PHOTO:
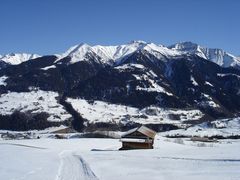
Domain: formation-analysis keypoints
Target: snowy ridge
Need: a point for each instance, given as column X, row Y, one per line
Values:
column 77, row 52
column 215, row 55
column 116, row 53
column 109, row 54
column 18, row 58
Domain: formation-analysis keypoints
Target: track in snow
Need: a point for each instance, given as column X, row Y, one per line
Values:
column 73, row 167
column 195, row 159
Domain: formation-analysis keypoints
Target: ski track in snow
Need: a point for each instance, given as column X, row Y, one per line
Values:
column 196, row 159
column 73, row 167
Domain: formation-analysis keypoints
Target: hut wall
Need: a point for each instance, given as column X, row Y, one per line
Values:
column 136, row 145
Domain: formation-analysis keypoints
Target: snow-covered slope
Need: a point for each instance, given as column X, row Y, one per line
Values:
column 33, row 102
column 215, row 55
column 15, row 59
column 77, row 52
column 100, row 111
column 220, row 127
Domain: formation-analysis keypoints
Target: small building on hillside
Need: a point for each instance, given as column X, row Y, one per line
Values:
column 138, row 138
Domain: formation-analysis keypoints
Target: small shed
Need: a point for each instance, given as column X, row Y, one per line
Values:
column 138, row 138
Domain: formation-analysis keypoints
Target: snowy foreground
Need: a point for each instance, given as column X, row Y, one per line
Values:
column 72, row 159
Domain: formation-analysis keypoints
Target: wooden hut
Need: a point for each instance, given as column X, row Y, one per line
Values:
column 138, row 138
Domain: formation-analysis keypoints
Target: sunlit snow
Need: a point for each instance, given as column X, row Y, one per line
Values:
column 99, row 111
column 34, row 102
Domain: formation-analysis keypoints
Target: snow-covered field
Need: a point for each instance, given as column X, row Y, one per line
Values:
column 223, row 127
column 72, row 159
column 34, row 102
column 99, row 111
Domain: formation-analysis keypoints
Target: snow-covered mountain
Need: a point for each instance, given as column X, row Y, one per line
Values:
column 118, row 86
column 114, row 54
column 218, row 56
column 18, row 58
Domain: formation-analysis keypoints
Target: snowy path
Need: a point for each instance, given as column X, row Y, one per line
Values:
column 73, row 167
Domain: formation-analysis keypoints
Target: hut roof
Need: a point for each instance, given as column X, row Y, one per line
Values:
column 144, row 130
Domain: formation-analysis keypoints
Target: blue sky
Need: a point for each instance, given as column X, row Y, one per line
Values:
column 52, row 26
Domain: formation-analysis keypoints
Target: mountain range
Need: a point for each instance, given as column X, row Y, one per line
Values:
column 109, row 54
column 114, row 87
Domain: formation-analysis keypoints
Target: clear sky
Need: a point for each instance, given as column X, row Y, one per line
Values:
column 52, row 26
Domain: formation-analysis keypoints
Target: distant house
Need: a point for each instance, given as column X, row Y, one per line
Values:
column 138, row 138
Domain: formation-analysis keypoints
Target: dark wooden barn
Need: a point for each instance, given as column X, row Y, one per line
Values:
column 138, row 138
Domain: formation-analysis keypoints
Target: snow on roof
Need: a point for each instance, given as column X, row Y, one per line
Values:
column 129, row 132
column 147, row 131
column 144, row 130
